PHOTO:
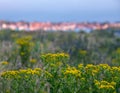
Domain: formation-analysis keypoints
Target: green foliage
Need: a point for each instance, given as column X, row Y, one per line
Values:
column 99, row 45
column 52, row 63
column 91, row 78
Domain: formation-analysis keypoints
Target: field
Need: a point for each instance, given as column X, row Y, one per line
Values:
column 59, row 62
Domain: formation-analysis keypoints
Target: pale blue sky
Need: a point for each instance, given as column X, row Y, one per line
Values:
column 60, row 10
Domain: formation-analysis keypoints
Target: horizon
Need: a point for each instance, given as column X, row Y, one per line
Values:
column 60, row 10
column 59, row 21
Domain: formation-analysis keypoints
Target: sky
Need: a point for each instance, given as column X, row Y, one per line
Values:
column 60, row 10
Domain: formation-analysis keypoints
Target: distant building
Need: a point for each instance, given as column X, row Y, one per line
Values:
column 63, row 26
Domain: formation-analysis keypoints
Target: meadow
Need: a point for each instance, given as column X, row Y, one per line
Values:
column 59, row 62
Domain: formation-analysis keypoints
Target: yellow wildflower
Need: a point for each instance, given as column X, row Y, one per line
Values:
column 83, row 52
column 33, row 60
column 72, row 71
column 5, row 63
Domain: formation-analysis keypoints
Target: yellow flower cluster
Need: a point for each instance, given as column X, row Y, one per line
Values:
column 24, row 40
column 105, row 85
column 48, row 75
column 22, row 73
column 104, row 66
column 80, row 66
column 90, row 66
column 83, row 52
column 22, row 53
column 57, row 57
column 72, row 71
column 25, row 46
column 33, row 60
column 115, row 69
column 100, row 78
column 4, row 63
column 101, row 71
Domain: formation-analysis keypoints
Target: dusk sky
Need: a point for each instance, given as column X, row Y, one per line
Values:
column 60, row 10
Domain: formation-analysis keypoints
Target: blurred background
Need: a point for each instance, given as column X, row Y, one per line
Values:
column 88, row 30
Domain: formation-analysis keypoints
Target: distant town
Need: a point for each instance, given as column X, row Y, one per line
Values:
column 61, row 26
